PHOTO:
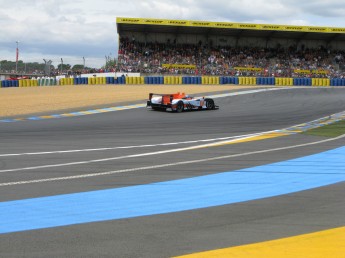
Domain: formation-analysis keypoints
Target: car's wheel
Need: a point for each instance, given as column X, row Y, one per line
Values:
column 209, row 104
column 179, row 106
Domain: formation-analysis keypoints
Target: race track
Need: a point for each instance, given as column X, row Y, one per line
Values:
column 143, row 183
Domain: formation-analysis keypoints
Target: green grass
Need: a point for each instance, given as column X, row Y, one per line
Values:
column 332, row 130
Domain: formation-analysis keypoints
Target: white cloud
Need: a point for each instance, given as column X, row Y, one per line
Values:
column 72, row 29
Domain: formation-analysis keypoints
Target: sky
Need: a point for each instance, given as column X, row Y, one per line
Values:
column 71, row 30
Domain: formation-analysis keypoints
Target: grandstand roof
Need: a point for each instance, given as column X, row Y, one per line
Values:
column 229, row 29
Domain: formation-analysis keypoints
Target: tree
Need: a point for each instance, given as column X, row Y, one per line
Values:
column 65, row 67
column 77, row 67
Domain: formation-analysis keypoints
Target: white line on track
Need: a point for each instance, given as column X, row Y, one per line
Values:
column 154, row 145
column 127, row 147
column 166, row 165
column 128, row 156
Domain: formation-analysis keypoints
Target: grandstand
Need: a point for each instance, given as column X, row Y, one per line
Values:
column 160, row 46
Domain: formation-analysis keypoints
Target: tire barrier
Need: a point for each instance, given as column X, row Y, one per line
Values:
column 135, row 80
column 156, row 79
column 191, row 80
column 170, row 80
column 265, row 81
column 9, row 83
column 284, row 81
column 302, row 82
column 247, row 80
column 337, row 82
column 81, row 81
column 66, row 81
column 175, row 80
column 320, row 82
column 210, row 80
column 46, row 82
column 228, row 80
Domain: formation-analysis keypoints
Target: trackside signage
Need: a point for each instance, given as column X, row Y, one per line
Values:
column 230, row 25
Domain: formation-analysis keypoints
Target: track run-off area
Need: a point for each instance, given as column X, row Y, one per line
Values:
column 126, row 181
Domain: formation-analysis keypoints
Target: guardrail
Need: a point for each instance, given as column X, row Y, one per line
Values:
column 175, row 80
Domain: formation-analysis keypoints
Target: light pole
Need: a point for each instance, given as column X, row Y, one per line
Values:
column 83, row 63
column 61, row 65
column 17, row 56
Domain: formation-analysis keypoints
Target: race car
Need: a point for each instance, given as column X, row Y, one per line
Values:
column 179, row 102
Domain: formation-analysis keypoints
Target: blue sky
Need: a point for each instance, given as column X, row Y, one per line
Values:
column 55, row 29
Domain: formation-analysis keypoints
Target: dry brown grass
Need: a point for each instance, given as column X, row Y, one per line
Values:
column 24, row 101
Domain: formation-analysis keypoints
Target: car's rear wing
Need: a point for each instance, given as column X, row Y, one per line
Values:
column 167, row 98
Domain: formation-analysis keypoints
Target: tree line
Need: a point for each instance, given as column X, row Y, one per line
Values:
column 31, row 67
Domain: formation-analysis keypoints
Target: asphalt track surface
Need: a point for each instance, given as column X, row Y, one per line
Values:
column 172, row 233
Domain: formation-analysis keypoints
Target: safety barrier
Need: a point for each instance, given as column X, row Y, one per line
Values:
column 302, row 82
column 284, row 81
column 66, row 81
column 228, row 80
column 337, row 82
column 9, row 83
column 46, row 82
column 155, row 79
column 247, row 80
column 176, row 80
column 320, row 82
column 210, row 80
column 173, row 80
column 191, row 80
column 265, row 81
column 135, row 80
column 81, row 81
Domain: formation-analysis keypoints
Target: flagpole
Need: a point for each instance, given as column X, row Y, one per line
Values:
column 17, row 56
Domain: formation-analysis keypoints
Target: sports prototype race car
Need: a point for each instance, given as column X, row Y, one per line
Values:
column 179, row 102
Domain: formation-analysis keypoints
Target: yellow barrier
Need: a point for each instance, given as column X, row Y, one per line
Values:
column 180, row 80
column 247, row 82
column 209, row 80
column 34, row 83
column 172, row 80
column 320, row 82
column 278, row 81
column 326, row 82
column 284, row 81
column 142, row 80
column 313, row 82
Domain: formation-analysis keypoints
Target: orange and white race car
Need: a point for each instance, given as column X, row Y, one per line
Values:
column 179, row 102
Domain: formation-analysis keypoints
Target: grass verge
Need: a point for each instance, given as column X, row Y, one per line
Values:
column 332, row 130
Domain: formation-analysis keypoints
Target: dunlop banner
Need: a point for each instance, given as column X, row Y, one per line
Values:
column 311, row 71
column 179, row 66
column 248, row 69
column 229, row 25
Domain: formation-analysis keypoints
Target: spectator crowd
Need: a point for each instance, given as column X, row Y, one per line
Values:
column 150, row 58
